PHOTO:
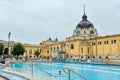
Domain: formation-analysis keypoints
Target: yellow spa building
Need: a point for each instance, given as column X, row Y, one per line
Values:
column 84, row 44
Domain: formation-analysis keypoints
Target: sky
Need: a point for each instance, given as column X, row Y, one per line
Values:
column 32, row 21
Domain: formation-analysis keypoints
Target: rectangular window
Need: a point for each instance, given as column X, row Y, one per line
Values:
column 81, row 50
column 99, row 43
column 40, row 50
column 113, row 41
column 51, row 50
column 47, row 51
column 30, row 51
column 88, row 50
column 106, row 42
column 93, row 43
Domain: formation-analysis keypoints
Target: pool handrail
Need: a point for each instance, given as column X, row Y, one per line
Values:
column 32, row 74
column 32, row 64
column 43, row 70
column 65, row 67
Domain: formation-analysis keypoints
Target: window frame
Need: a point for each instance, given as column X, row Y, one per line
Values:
column 72, row 46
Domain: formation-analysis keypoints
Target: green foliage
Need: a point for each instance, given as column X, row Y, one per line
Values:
column 18, row 49
column 37, row 53
column 26, row 57
column 41, row 43
column 1, row 48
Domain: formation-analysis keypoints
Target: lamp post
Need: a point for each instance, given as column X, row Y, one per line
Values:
column 9, row 34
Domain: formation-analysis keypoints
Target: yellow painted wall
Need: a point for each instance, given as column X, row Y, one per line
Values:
column 107, row 49
column 32, row 48
column 99, row 50
column 45, row 51
column 88, row 48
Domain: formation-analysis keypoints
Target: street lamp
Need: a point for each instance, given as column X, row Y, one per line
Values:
column 9, row 34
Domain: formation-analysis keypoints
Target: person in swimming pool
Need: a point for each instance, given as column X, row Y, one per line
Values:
column 59, row 72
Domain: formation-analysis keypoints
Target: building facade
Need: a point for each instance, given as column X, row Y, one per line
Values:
column 84, row 44
column 9, row 45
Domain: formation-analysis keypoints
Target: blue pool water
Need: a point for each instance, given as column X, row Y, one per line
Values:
column 90, row 71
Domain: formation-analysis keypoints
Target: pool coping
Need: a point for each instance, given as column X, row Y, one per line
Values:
column 97, row 63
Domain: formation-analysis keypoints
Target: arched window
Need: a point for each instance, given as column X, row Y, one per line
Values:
column 81, row 56
column 91, row 32
column 106, row 57
column 77, row 33
column 40, row 50
column 93, row 56
column 54, row 50
column 51, row 50
column 88, row 57
column 57, row 48
column 72, row 46
column 79, row 25
column 84, row 32
column 30, row 51
column 47, row 51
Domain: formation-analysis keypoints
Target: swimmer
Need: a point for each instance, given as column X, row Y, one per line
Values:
column 59, row 72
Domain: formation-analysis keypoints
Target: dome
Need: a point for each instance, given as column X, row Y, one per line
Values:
column 56, row 40
column 84, row 29
column 49, row 39
column 84, row 23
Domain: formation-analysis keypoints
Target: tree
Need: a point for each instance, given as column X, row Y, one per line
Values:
column 18, row 49
column 1, row 48
column 37, row 53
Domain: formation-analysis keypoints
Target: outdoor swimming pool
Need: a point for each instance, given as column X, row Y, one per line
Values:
column 89, row 71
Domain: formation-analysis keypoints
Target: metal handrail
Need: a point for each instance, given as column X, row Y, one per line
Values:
column 73, row 72
column 41, row 69
column 32, row 65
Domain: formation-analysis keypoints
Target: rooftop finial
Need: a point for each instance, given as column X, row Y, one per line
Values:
column 84, row 9
column 84, row 17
